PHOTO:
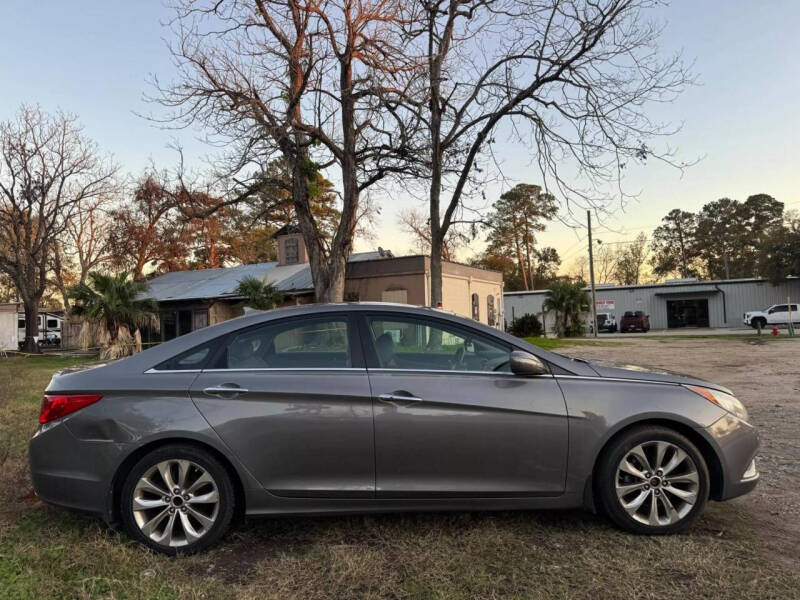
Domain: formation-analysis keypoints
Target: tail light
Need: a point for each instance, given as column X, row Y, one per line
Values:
column 55, row 406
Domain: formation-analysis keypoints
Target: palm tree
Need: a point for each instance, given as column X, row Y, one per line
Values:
column 113, row 312
column 567, row 300
column 259, row 294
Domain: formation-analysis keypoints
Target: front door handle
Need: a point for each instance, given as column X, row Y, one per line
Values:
column 225, row 390
column 391, row 398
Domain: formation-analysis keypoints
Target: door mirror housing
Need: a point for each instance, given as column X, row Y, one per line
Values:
column 526, row 364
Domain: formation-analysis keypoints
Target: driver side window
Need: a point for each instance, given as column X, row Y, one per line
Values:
column 420, row 344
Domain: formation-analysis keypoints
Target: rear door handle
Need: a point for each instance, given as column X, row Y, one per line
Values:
column 398, row 398
column 227, row 390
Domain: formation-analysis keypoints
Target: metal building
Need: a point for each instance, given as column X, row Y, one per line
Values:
column 676, row 303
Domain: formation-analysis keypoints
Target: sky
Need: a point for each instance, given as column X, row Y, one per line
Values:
column 94, row 58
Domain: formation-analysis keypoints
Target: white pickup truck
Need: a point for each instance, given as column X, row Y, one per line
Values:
column 775, row 315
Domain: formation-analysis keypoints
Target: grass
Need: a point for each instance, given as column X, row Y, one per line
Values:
column 47, row 552
column 556, row 343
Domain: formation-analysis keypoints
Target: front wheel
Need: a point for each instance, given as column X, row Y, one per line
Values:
column 652, row 480
column 177, row 498
column 758, row 323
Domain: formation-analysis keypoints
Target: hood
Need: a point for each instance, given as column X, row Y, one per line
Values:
column 626, row 371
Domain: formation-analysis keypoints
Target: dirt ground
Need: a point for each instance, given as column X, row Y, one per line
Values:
column 766, row 378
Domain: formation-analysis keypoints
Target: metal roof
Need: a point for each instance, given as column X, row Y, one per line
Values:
column 218, row 283
column 684, row 291
column 641, row 286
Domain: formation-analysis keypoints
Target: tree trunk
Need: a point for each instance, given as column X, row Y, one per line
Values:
column 435, row 57
column 436, row 270
column 58, row 273
column 31, row 326
column 522, row 270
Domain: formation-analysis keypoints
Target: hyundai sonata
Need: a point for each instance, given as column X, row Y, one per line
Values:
column 356, row 408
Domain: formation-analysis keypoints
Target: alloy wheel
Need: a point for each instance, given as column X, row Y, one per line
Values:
column 657, row 483
column 175, row 502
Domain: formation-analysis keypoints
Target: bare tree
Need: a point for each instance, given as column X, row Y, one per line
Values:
column 630, row 260
column 48, row 168
column 415, row 223
column 312, row 83
column 567, row 79
column 84, row 245
column 605, row 263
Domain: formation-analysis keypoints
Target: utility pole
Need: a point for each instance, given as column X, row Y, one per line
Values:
column 591, row 273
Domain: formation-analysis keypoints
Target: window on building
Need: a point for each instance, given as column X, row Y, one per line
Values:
column 490, row 318
column 291, row 249
column 307, row 344
column 476, row 307
column 21, row 323
column 184, row 322
column 169, row 326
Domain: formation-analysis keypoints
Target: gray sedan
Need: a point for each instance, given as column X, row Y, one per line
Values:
column 355, row 408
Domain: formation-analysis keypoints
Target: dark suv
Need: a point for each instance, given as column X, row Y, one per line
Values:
column 633, row 320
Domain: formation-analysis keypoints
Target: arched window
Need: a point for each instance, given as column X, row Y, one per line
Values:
column 476, row 308
column 490, row 310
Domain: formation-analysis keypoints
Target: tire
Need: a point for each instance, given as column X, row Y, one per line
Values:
column 754, row 323
column 686, row 494
column 204, row 501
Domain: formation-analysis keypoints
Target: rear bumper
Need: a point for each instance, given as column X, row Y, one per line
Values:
column 69, row 472
column 737, row 444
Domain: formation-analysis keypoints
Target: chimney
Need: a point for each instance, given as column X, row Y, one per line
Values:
column 291, row 248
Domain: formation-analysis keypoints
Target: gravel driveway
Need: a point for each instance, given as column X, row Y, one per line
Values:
column 766, row 377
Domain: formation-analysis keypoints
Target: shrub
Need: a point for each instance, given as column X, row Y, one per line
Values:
column 526, row 326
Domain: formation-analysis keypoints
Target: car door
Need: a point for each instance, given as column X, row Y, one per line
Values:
column 291, row 398
column 778, row 314
column 451, row 420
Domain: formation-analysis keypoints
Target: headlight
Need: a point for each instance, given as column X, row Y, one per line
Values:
column 721, row 399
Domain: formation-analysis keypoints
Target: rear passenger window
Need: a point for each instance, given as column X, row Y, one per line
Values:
column 190, row 360
column 300, row 344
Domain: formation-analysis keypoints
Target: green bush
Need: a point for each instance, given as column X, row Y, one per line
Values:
column 526, row 326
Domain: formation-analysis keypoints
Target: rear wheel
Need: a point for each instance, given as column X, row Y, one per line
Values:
column 652, row 480
column 177, row 499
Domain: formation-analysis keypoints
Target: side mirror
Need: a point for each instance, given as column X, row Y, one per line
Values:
column 526, row 364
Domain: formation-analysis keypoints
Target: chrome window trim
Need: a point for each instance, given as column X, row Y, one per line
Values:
column 495, row 373
column 283, row 369
column 153, row 370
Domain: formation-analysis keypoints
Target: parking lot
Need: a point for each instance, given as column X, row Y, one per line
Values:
column 746, row 548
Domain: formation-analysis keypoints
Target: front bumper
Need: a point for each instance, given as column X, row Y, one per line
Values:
column 737, row 443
